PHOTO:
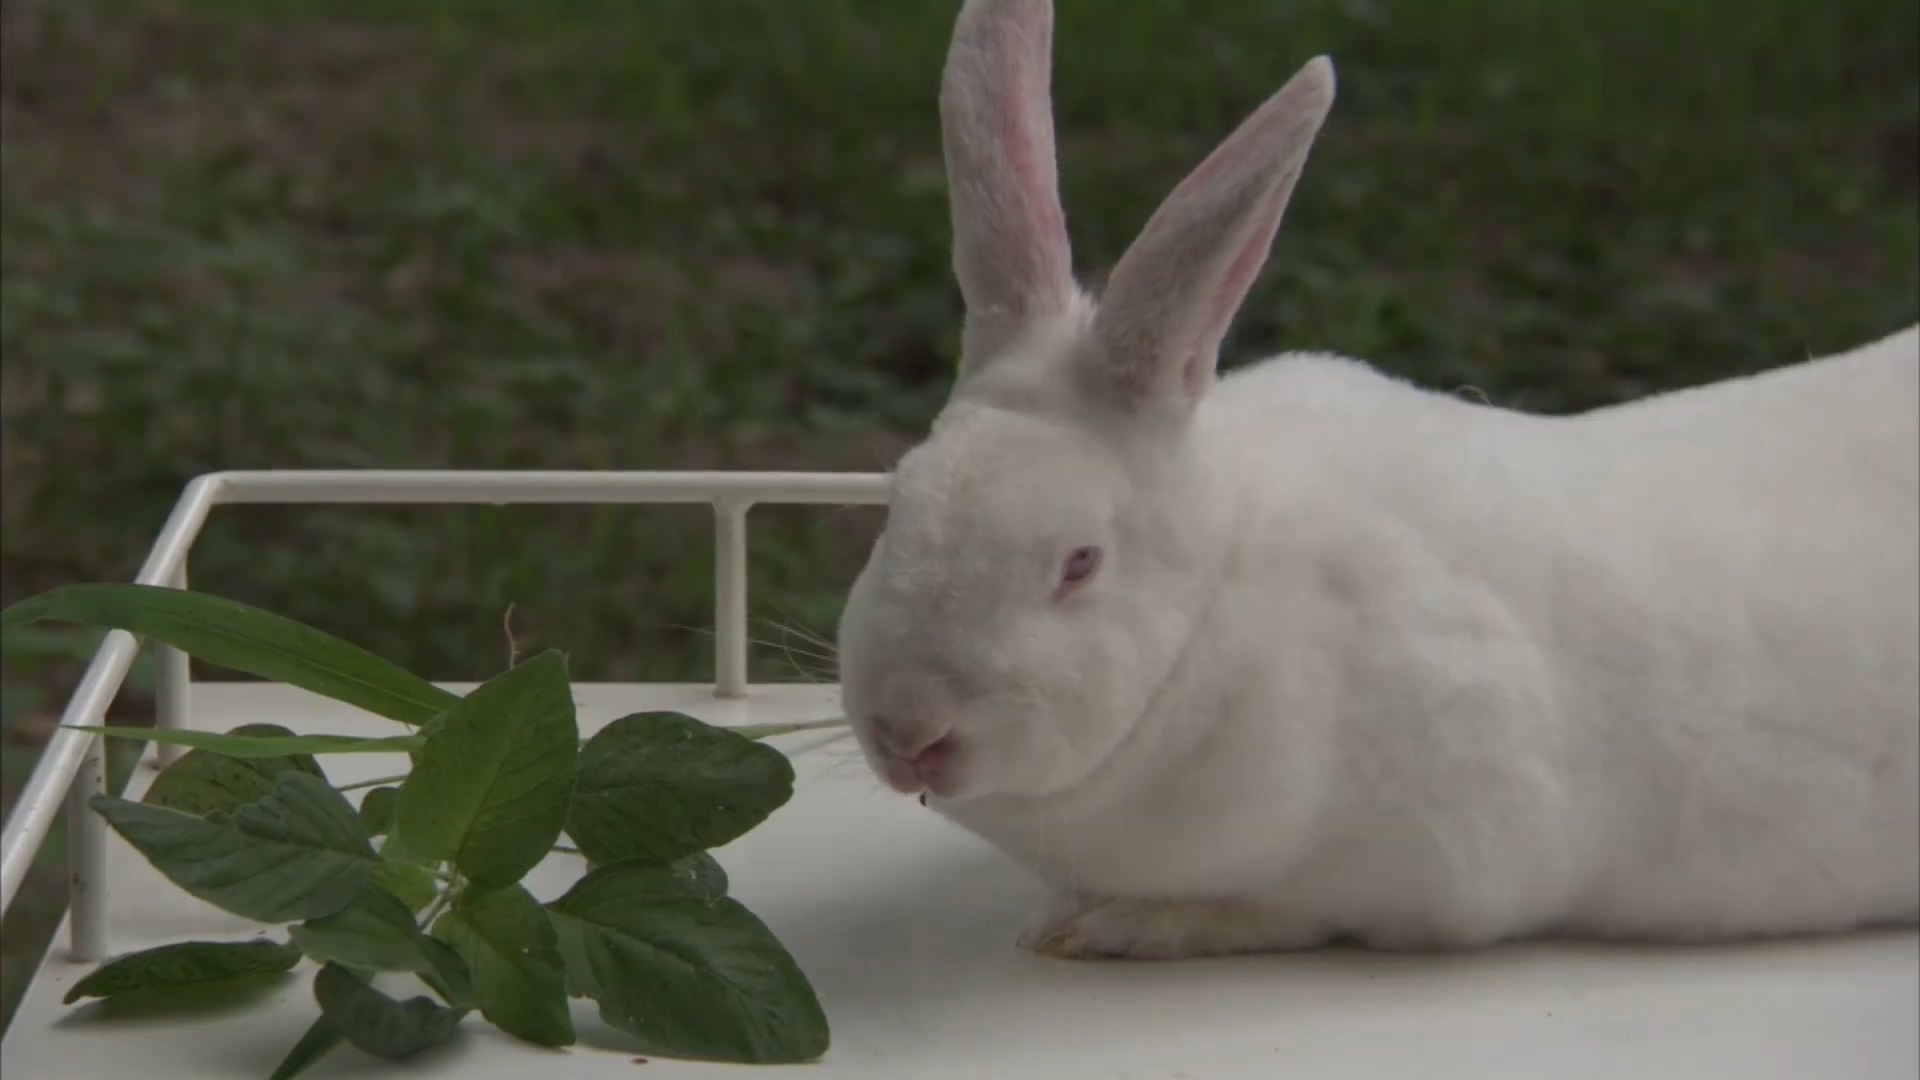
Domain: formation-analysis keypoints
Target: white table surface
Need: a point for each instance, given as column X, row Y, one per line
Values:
column 906, row 925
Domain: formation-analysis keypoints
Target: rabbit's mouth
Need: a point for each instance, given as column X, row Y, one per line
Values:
column 930, row 769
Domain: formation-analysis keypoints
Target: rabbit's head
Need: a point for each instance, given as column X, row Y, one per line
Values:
column 1051, row 543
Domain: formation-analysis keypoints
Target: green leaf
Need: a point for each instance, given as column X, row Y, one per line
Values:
column 377, row 808
column 185, row 963
column 688, row 974
column 202, row 783
column 234, row 635
column 377, row 1023
column 317, row 1043
column 415, row 886
column 447, row 973
column 703, row 872
column 297, row 854
column 405, row 874
column 244, row 747
column 375, row 932
column 660, row 786
column 394, row 848
column 511, row 950
column 491, row 787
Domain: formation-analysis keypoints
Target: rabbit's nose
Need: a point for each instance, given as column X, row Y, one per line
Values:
column 902, row 738
column 918, row 762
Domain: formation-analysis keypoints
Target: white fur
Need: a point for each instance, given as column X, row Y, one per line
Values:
column 1366, row 660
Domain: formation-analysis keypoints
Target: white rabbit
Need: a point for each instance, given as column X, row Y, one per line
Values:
column 1312, row 653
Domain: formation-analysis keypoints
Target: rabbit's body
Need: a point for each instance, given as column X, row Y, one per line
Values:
column 1312, row 652
column 1473, row 674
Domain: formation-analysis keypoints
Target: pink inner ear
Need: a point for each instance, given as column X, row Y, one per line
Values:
column 1224, row 299
column 1011, row 253
column 1171, row 297
column 1208, row 166
column 1038, row 215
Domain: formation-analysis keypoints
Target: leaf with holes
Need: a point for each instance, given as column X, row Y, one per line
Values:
column 688, row 974
column 297, row 854
column 662, row 786
column 243, row 638
column 202, row 782
column 513, row 955
column 187, row 963
column 491, row 786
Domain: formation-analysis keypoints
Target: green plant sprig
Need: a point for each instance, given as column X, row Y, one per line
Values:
column 423, row 877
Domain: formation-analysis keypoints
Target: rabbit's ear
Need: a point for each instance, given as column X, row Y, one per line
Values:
column 1171, row 297
column 1010, row 250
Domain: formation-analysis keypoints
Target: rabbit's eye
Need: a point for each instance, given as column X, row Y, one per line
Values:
column 1079, row 566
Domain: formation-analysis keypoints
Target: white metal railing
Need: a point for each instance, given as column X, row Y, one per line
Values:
column 74, row 766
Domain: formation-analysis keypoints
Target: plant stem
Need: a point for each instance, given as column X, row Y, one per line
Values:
column 768, row 731
column 434, row 909
column 440, row 902
column 375, row 782
column 565, row 850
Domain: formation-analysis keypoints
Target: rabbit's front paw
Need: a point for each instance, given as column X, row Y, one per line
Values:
column 1051, row 919
column 1168, row 930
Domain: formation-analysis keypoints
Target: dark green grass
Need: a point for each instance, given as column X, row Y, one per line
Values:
column 712, row 233
column 603, row 234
